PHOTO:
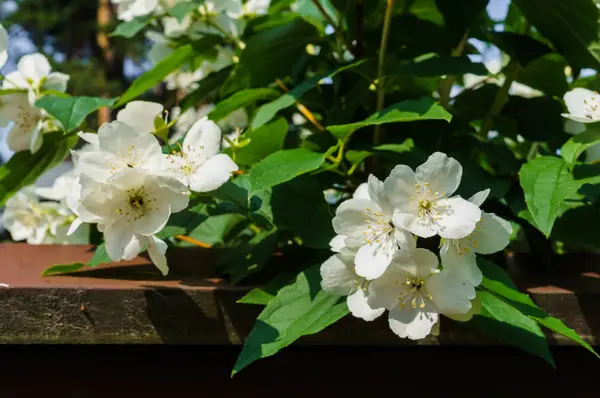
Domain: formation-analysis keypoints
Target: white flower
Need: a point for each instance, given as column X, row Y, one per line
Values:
column 415, row 292
column 236, row 120
column 256, row 7
column 129, row 9
column 186, row 119
column 339, row 278
column 366, row 220
column 421, row 199
column 583, row 105
column 26, row 130
column 3, row 46
column 199, row 163
column 130, row 208
column 490, row 236
column 61, row 188
column 173, row 28
column 35, row 74
column 184, row 80
column 141, row 115
column 120, row 147
column 25, row 218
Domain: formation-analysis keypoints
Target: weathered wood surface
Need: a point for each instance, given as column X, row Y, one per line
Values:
column 131, row 303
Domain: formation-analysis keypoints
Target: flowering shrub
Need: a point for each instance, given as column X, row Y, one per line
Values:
column 302, row 128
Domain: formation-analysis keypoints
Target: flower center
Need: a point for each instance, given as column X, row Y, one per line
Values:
column 428, row 203
column 25, row 120
column 414, row 292
column 139, row 204
column 378, row 226
column 592, row 106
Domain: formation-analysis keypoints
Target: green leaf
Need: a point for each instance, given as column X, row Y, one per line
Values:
column 433, row 65
column 62, row 269
column 406, row 146
column 183, row 8
column 24, row 168
column 282, row 166
column 505, row 323
column 268, row 111
column 525, row 48
column 264, row 294
column 132, row 28
column 497, row 281
column 299, row 309
column 270, row 54
column 156, row 75
column 546, row 74
column 405, row 111
column 216, row 228
column 100, row 256
column 205, row 87
column 184, row 222
column 573, row 148
column 72, row 111
column 241, row 99
column 546, row 182
column 572, row 26
column 264, row 141
column 299, row 205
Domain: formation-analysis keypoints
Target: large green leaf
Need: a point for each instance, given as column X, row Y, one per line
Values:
column 241, row 99
column 405, row 111
column 497, row 282
column 525, row 48
column 24, row 168
column 205, row 87
column 264, row 141
column 268, row 111
column 270, row 54
column 216, row 228
column 282, row 166
column 572, row 26
column 183, row 8
column 156, row 75
column 433, row 65
column 132, row 28
column 299, row 309
column 264, row 294
column 546, row 182
column 100, row 256
column 547, row 74
column 62, row 269
column 299, row 205
column 72, row 111
column 505, row 323
column 573, row 148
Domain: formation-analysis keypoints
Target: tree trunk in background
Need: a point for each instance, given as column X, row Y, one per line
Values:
column 103, row 18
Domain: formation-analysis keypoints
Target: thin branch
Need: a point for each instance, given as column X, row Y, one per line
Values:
column 378, row 136
column 337, row 27
column 193, row 241
column 301, row 108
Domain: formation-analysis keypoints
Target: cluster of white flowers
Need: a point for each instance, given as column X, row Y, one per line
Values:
column 584, row 108
column 17, row 111
column 378, row 265
column 127, row 186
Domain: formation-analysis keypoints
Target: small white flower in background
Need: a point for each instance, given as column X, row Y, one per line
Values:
column 26, row 130
column 173, row 28
column 3, row 46
column 366, row 220
column 184, row 80
column 186, row 119
column 199, row 164
column 421, row 202
column 120, row 147
column 415, row 292
column 339, row 278
column 130, row 208
column 141, row 115
column 298, row 119
column 25, row 218
column 583, row 105
column 490, row 236
column 61, row 188
column 256, row 7
column 236, row 120
column 34, row 74
column 129, row 9
column 223, row 59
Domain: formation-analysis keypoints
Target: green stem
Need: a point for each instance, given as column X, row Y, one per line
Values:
column 378, row 136
column 337, row 27
column 446, row 84
column 511, row 72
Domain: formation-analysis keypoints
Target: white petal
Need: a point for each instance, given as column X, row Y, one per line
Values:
column 133, row 248
column 464, row 265
column 383, row 292
column 580, row 119
column 412, row 223
column 574, row 100
column 174, row 192
column 449, row 293
column 74, row 226
column 140, row 115
column 56, row 81
column 36, row 139
column 373, row 259
column 212, row 173
column 377, row 195
column 421, row 264
column 3, row 46
column 157, row 250
column 479, row 197
column 202, row 141
column 18, row 139
column 362, row 192
column 34, row 67
column 359, row 307
column 337, row 243
column 338, row 276
column 411, row 322
column 491, row 234
column 475, row 309
column 353, row 216
column 399, row 187
column 459, row 218
column 90, row 138
column 406, row 240
column 116, row 238
column 441, row 172
column 98, row 165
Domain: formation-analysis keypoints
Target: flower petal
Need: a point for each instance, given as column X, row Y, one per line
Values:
column 399, row 187
column 338, row 276
column 479, row 197
column 441, row 172
column 116, row 238
column 3, row 46
column 449, row 293
column 412, row 223
column 491, row 234
column 140, row 115
column 157, row 250
column 337, row 243
column 411, row 322
column 56, row 81
column 213, row 173
column 34, row 67
column 202, row 141
column 352, row 218
column 574, row 100
column 359, row 306
column 458, row 219
column 464, row 265
column 377, row 195
column 373, row 259
column 362, row 192
column 421, row 264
